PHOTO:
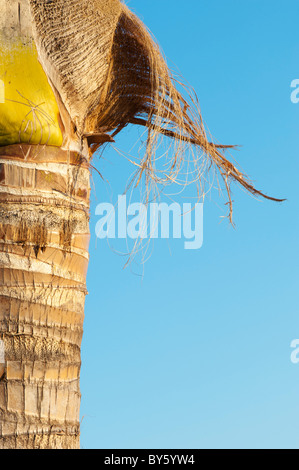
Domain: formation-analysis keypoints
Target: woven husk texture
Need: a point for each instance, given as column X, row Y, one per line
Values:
column 74, row 39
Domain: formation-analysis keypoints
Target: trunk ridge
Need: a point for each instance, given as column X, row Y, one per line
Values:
column 44, row 236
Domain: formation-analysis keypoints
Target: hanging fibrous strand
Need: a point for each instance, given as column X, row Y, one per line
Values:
column 108, row 71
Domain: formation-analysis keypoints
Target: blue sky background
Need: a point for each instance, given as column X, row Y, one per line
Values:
column 196, row 353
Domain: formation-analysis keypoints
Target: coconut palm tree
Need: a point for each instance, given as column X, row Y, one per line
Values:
column 73, row 74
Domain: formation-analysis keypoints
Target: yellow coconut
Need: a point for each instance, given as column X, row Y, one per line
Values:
column 28, row 109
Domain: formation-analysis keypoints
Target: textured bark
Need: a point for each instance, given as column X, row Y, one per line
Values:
column 44, row 212
column 44, row 236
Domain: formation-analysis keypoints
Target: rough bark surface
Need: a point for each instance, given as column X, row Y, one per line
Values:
column 44, row 212
column 44, row 236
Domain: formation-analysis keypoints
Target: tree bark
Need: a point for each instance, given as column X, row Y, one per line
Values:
column 44, row 236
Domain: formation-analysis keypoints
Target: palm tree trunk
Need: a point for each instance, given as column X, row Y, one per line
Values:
column 44, row 236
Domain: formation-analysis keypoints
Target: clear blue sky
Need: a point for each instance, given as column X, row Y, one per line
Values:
column 196, row 354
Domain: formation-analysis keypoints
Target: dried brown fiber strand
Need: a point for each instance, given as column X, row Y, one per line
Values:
column 108, row 72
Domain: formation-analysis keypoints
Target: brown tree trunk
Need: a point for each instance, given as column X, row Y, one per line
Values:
column 44, row 235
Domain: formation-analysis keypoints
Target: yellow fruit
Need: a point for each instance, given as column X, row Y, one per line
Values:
column 28, row 109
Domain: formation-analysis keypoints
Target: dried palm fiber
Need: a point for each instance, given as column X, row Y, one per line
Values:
column 108, row 72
